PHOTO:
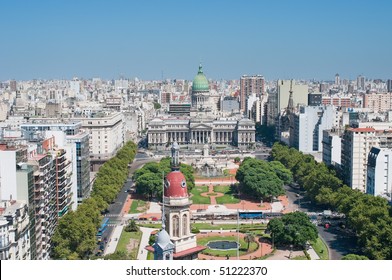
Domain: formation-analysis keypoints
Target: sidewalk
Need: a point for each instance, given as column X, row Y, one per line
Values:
column 312, row 253
column 114, row 238
column 142, row 254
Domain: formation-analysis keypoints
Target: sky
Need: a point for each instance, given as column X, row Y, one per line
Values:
column 151, row 39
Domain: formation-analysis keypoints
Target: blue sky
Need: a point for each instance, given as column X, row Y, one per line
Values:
column 277, row 39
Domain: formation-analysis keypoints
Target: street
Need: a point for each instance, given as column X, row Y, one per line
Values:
column 339, row 241
column 114, row 210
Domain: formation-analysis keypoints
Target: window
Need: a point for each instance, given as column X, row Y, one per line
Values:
column 176, row 226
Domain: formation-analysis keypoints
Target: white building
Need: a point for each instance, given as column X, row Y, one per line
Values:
column 379, row 172
column 306, row 130
column 106, row 132
column 332, row 147
column 14, row 231
column 356, row 145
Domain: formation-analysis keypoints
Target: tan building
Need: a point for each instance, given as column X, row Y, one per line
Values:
column 356, row 145
column 278, row 100
column 378, row 102
column 106, row 136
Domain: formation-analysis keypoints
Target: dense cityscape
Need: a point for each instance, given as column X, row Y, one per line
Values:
column 69, row 144
column 206, row 130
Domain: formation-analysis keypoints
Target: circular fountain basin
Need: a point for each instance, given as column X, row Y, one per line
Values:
column 222, row 245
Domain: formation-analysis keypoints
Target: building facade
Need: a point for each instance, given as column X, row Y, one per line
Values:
column 356, row 145
column 250, row 85
column 332, row 147
column 14, row 231
column 379, row 172
column 278, row 99
column 378, row 102
column 106, row 134
column 199, row 131
column 306, row 130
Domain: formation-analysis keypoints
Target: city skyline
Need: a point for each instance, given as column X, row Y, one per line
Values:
column 301, row 40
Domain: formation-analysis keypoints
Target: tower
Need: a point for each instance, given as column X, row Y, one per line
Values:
column 176, row 213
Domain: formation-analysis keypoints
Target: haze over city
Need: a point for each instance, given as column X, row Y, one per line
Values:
column 155, row 39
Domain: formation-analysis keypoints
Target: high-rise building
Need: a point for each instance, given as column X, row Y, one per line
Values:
column 337, row 79
column 378, row 102
column 356, row 145
column 13, row 85
column 71, row 137
column 361, row 82
column 278, row 100
column 389, row 85
column 306, row 132
column 45, row 202
column 250, row 85
column 332, row 147
column 379, row 172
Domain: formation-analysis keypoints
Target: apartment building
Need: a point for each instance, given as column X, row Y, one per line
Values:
column 106, row 132
column 14, row 231
column 250, row 85
column 378, row 102
column 379, row 172
column 306, row 129
column 356, row 146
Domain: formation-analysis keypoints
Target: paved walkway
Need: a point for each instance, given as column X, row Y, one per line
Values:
column 285, row 255
column 142, row 254
column 114, row 238
column 313, row 255
column 155, row 207
column 212, row 197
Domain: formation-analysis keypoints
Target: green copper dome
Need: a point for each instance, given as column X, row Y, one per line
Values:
column 200, row 82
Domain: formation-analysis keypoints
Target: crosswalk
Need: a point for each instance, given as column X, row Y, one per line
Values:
column 113, row 215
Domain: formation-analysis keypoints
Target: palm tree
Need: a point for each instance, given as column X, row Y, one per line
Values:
column 249, row 237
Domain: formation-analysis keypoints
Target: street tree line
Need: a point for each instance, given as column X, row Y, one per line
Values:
column 368, row 216
column 262, row 179
column 149, row 178
column 75, row 235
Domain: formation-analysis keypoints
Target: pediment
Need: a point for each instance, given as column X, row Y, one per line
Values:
column 201, row 126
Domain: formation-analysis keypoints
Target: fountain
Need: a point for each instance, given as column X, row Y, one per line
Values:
column 222, row 245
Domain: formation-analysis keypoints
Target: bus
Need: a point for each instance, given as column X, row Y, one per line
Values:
column 102, row 229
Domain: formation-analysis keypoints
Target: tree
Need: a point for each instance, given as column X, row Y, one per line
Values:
column 237, row 159
column 149, row 185
column 249, row 238
column 118, row 255
column 75, row 234
column 293, row 229
column 354, row 257
column 132, row 226
column 157, row 106
column 260, row 179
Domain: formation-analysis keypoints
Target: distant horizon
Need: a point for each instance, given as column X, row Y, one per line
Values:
column 302, row 40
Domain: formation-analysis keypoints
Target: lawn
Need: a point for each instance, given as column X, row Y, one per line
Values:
column 320, row 248
column 228, row 192
column 197, row 198
column 233, row 252
column 138, row 206
column 124, row 241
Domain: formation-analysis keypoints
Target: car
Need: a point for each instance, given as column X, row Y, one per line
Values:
column 297, row 194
